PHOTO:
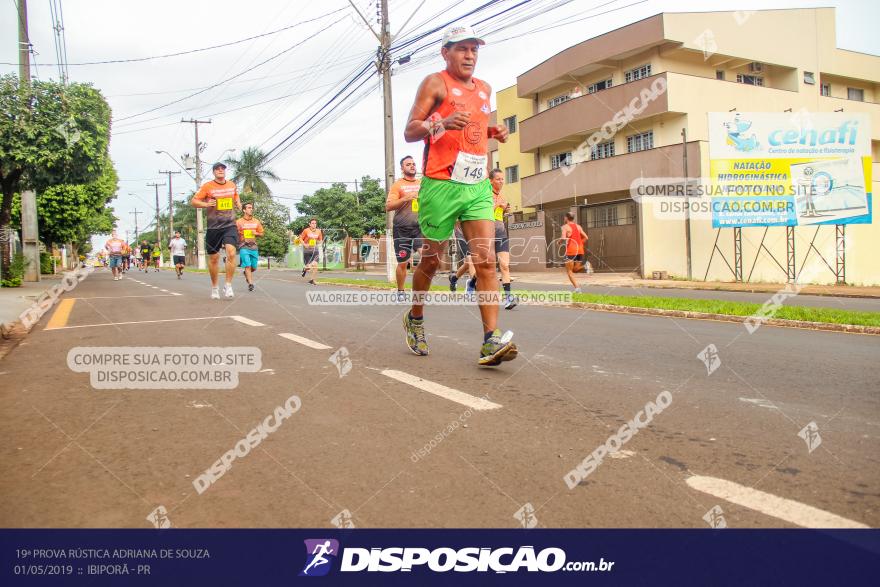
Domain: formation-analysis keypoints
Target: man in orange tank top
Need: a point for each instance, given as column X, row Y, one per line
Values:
column 451, row 115
column 575, row 247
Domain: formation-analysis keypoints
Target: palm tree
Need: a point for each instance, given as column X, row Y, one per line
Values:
column 250, row 172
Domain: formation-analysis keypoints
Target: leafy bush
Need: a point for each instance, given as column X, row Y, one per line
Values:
column 15, row 273
column 46, row 265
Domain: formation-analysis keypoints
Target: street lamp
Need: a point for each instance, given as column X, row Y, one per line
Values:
column 185, row 170
column 223, row 153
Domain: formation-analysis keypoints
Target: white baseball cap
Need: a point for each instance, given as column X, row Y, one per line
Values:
column 457, row 33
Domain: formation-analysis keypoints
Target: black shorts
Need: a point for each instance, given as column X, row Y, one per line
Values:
column 576, row 258
column 502, row 242
column 179, row 260
column 310, row 256
column 216, row 238
column 407, row 238
column 462, row 246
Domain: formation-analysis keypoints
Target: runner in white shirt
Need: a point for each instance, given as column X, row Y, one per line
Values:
column 178, row 253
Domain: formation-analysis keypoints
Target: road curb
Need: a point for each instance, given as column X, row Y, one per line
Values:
column 779, row 322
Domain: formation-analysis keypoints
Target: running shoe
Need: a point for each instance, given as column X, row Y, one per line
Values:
column 453, row 281
column 511, row 302
column 250, row 287
column 227, row 291
column 471, row 286
column 304, row 271
column 415, row 335
column 497, row 349
column 312, row 282
column 215, row 293
column 576, row 290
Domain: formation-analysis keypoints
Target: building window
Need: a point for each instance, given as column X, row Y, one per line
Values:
column 598, row 86
column 510, row 123
column 637, row 73
column 825, row 90
column 640, row 142
column 719, row 74
column 749, row 80
column 602, row 150
column 560, row 159
column 856, row 94
column 609, row 215
column 511, row 174
column 809, row 78
column 553, row 102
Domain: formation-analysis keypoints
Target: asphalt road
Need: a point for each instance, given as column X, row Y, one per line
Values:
column 835, row 302
column 407, row 441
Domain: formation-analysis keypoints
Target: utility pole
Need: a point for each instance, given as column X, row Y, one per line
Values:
column 24, row 44
column 383, row 67
column 200, row 220
column 136, row 212
column 158, row 226
column 30, row 235
column 170, row 202
column 687, row 199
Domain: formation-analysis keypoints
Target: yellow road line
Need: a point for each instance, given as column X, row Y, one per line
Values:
column 62, row 313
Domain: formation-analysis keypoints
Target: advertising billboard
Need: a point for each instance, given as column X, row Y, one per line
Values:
column 789, row 169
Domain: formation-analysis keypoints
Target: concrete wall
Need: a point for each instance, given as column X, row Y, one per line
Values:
column 509, row 154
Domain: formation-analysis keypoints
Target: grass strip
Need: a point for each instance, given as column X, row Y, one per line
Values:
column 727, row 308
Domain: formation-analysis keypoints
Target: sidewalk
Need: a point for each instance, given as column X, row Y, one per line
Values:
column 15, row 300
column 557, row 277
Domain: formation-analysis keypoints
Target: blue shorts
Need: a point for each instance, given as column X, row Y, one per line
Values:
column 115, row 262
column 248, row 258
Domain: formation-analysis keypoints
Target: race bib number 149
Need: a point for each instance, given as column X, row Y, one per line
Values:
column 469, row 168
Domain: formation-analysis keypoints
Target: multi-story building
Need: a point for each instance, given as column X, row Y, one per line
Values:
column 746, row 61
column 508, row 156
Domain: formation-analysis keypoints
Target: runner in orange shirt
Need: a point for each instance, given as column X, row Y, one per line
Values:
column 451, row 115
column 311, row 239
column 249, row 228
column 403, row 198
column 220, row 198
column 575, row 250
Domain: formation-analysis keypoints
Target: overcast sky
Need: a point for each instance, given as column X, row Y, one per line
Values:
column 320, row 55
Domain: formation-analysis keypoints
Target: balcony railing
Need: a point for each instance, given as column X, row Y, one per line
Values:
column 585, row 113
column 612, row 174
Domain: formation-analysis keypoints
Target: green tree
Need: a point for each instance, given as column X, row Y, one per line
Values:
column 250, row 172
column 274, row 216
column 71, row 213
column 51, row 135
column 356, row 213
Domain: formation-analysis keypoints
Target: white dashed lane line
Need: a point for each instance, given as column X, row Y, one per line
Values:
column 768, row 504
column 304, row 341
column 476, row 403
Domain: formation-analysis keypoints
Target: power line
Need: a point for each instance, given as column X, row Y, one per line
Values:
column 322, row 66
column 191, row 51
column 221, row 82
